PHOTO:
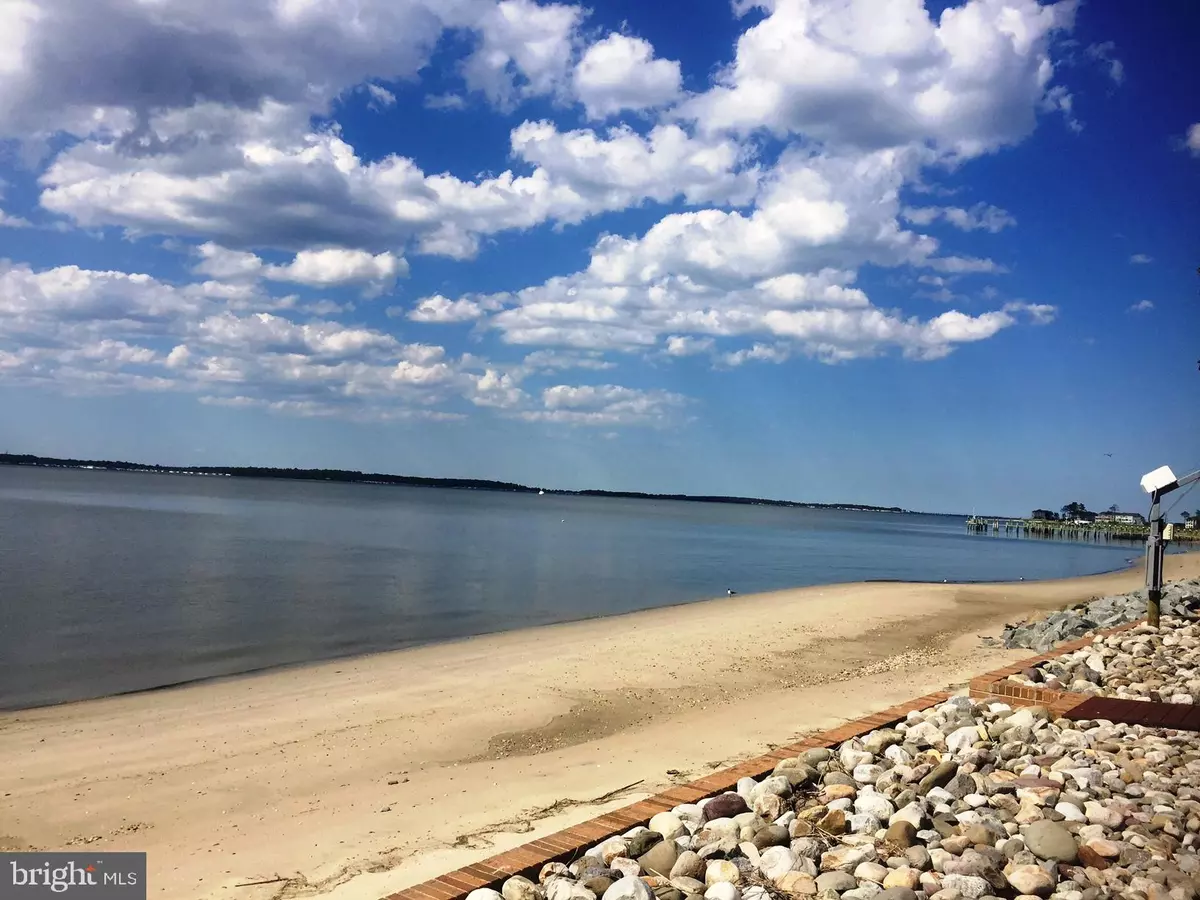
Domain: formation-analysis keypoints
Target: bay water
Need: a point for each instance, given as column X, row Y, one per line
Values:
column 113, row 582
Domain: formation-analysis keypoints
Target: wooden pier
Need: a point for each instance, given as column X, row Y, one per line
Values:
column 1044, row 528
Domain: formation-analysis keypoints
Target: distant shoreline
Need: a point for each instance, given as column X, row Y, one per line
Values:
column 346, row 476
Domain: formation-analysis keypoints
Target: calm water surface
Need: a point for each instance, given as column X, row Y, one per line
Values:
column 114, row 582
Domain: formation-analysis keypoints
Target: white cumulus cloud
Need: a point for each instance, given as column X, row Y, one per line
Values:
column 1192, row 139
column 620, row 72
column 874, row 75
column 980, row 217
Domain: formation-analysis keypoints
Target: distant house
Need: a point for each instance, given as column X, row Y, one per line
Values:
column 1121, row 518
column 1192, row 522
column 1044, row 515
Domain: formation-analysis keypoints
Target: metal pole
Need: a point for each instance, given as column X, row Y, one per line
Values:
column 1154, row 563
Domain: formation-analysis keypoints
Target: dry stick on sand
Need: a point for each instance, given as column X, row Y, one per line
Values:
column 464, row 840
column 275, row 880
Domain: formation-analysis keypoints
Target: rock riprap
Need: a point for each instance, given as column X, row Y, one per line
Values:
column 964, row 800
column 1142, row 663
column 1179, row 598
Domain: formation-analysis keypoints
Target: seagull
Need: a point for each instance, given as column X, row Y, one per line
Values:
column 730, row 592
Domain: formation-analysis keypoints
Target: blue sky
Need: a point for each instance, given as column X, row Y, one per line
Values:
column 937, row 256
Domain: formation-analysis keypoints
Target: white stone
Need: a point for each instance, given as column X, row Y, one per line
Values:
column 871, row 871
column 719, row 870
column 567, row 889
column 846, row 858
column 669, row 825
column 1099, row 814
column 851, row 756
column 926, row 734
column 1070, row 812
column 722, row 890
column 1031, row 880
column 629, row 889
column 867, row 773
column 875, row 805
column 912, row 813
column 775, row 862
column 612, row 848
column 774, row 784
column 485, row 894
column 864, row 823
column 627, row 867
column 688, row 813
column 960, row 740
column 1022, row 718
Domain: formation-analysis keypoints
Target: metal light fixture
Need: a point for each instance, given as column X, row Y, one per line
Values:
column 1158, row 484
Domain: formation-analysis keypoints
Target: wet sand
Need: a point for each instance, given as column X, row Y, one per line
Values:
column 355, row 778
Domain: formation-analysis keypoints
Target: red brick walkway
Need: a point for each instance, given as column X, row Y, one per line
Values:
column 571, row 843
column 1180, row 716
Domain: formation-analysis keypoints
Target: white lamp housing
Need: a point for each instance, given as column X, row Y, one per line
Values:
column 1158, row 479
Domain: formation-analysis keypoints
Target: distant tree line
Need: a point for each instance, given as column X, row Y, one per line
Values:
column 355, row 477
column 1076, row 510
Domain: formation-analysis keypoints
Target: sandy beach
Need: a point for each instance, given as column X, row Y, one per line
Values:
column 355, row 778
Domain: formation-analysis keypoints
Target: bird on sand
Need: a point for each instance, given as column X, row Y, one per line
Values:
column 730, row 592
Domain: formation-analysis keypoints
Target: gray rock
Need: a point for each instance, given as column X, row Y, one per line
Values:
column 598, row 884
column 771, row 836
column 970, row 886
column 836, row 881
column 878, row 741
column 659, row 859
column 1050, row 840
column 640, row 843
column 940, row 776
column 688, row 865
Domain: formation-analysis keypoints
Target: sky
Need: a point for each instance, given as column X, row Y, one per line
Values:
column 939, row 256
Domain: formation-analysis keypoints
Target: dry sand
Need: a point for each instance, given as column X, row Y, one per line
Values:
column 355, row 778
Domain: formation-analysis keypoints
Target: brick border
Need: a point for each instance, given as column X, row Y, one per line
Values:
column 569, row 844
column 996, row 686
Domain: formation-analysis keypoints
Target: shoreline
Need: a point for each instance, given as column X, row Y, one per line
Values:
column 383, row 479
column 267, row 670
column 357, row 777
